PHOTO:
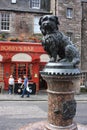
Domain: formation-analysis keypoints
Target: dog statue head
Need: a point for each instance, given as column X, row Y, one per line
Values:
column 48, row 24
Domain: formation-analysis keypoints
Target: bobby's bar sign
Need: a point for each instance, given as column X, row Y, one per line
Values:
column 16, row 48
column 20, row 48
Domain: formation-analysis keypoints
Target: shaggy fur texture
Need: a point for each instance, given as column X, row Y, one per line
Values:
column 55, row 43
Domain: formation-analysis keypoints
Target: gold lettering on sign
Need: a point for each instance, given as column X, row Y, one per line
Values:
column 9, row 48
column 25, row 48
column 16, row 48
column 20, row 48
column 28, row 48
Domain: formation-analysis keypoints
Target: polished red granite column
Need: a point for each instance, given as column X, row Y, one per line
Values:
column 61, row 103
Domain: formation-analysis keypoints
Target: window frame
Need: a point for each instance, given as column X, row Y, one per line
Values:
column 36, row 25
column 13, row 1
column 16, row 69
column 35, row 7
column 70, row 35
column 69, row 13
column 1, row 72
column 6, row 21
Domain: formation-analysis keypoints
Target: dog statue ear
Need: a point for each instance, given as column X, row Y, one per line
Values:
column 57, row 21
column 40, row 20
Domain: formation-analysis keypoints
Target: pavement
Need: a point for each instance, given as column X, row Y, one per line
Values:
column 12, row 114
column 41, row 96
column 41, row 126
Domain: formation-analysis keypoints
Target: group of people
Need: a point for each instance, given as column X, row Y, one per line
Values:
column 24, row 84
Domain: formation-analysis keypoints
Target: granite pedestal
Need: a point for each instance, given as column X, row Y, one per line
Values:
column 61, row 103
column 60, row 79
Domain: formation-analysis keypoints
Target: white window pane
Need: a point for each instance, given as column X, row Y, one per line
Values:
column 36, row 25
column 35, row 3
column 13, row 1
column 5, row 21
column 69, row 12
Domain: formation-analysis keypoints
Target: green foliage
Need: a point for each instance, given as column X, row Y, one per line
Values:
column 21, row 38
column 83, row 90
column 2, row 36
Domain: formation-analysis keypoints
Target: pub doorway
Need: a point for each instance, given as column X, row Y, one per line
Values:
column 18, row 70
column 21, row 69
column 44, row 58
column 42, row 83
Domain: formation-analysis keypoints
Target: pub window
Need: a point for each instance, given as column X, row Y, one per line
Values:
column 21, row 69
column 13, row 70
column 41, row 67
column 1, row 71
column 35, row 4
column 69, row 12
column 4, row 21
column 29, row 74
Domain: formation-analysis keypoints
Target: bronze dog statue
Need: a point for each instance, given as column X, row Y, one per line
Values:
column 55, row 43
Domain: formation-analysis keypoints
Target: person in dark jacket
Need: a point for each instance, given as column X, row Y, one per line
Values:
column 25, row 83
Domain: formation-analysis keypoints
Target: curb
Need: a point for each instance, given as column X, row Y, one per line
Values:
column 42, row 97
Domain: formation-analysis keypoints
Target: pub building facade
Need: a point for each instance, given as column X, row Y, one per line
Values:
column 18, row 59
column 19, row 18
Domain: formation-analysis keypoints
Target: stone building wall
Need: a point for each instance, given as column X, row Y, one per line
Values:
column 21, row 23
column 84, row 37
column 54, row 7
column 71, row 25
column 75, row 25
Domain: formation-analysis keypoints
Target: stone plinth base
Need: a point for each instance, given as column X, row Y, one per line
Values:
column 71, row 127
column 42, row 126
